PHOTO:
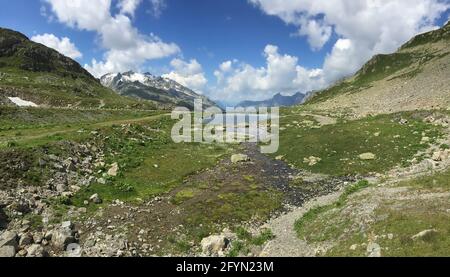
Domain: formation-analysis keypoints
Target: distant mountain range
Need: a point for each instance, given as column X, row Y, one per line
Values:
column 149, row 87
column 278, row 100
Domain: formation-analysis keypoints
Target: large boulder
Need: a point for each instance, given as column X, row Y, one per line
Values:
column 373, row 250
column 425, row 234
column 9, row 238
column 214, row 245
column 63, row 236
column 7, row 251
column 36, row 250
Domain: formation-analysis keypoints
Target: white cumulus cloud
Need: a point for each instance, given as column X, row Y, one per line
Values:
column 129, row 6
column 62, row 45
column 241, row 81
column 157, row 7
column 189, row 74
column 364, row 28
column 126, row 48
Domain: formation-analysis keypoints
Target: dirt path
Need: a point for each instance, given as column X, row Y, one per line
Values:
column 58, row 130
column 286, row 242
column 323, row 120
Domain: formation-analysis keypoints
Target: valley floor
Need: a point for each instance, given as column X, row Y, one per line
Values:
column 114, row 184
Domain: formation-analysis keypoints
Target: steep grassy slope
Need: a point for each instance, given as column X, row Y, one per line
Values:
column 39, row 74
column 415, row 77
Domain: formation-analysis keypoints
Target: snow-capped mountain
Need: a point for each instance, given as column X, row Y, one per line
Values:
column 149, row 87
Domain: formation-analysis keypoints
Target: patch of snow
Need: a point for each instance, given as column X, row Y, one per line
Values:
column 22, row 103
column 136, row 77
column 108, row 78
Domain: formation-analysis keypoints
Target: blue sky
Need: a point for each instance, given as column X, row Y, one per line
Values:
column 270, row 46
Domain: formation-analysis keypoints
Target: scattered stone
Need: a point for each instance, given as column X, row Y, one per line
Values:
column 367, row 156
column 48, row 235
column 238, row 158
column 373, row 250
column 95, row 199
column 353, row 247
column 403, row 121
column 114, row 170
column 279, row 158
column 36, row 250
column 441, row 155
column 26, row 239
column 67, row 224
column 311, row 161
column 101, row 181
column 37, row 238
column 425, row 140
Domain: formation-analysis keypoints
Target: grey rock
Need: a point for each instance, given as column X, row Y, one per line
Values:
column 67, row 224
column 61, row 188
column 63, row 236
column 73, row 250
column 238, row 158
column 114, row 170
column 367, row 156
column 214, row 245
column 26, row 239
column 424, row 234
column 38, row 237
column 95, row 198
column 373, row 250
column 36, row 250
column 7, row 251
column 9, row 238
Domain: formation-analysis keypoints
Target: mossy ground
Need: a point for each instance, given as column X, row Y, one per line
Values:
column 339, row 145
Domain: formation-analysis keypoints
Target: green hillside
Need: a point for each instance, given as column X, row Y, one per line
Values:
column 39, row 74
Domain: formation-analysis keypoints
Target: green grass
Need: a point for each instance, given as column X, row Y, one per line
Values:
column 183, row 195
column 25, row 128
column 22, row 120
column 246, row 241
column 44, row 76
column 403, row 225
column 61, row 91
column 394, row 222
column 310, row 228
column 150, row 168
column 436, row 181
column 339, row 145
column 406, row 63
